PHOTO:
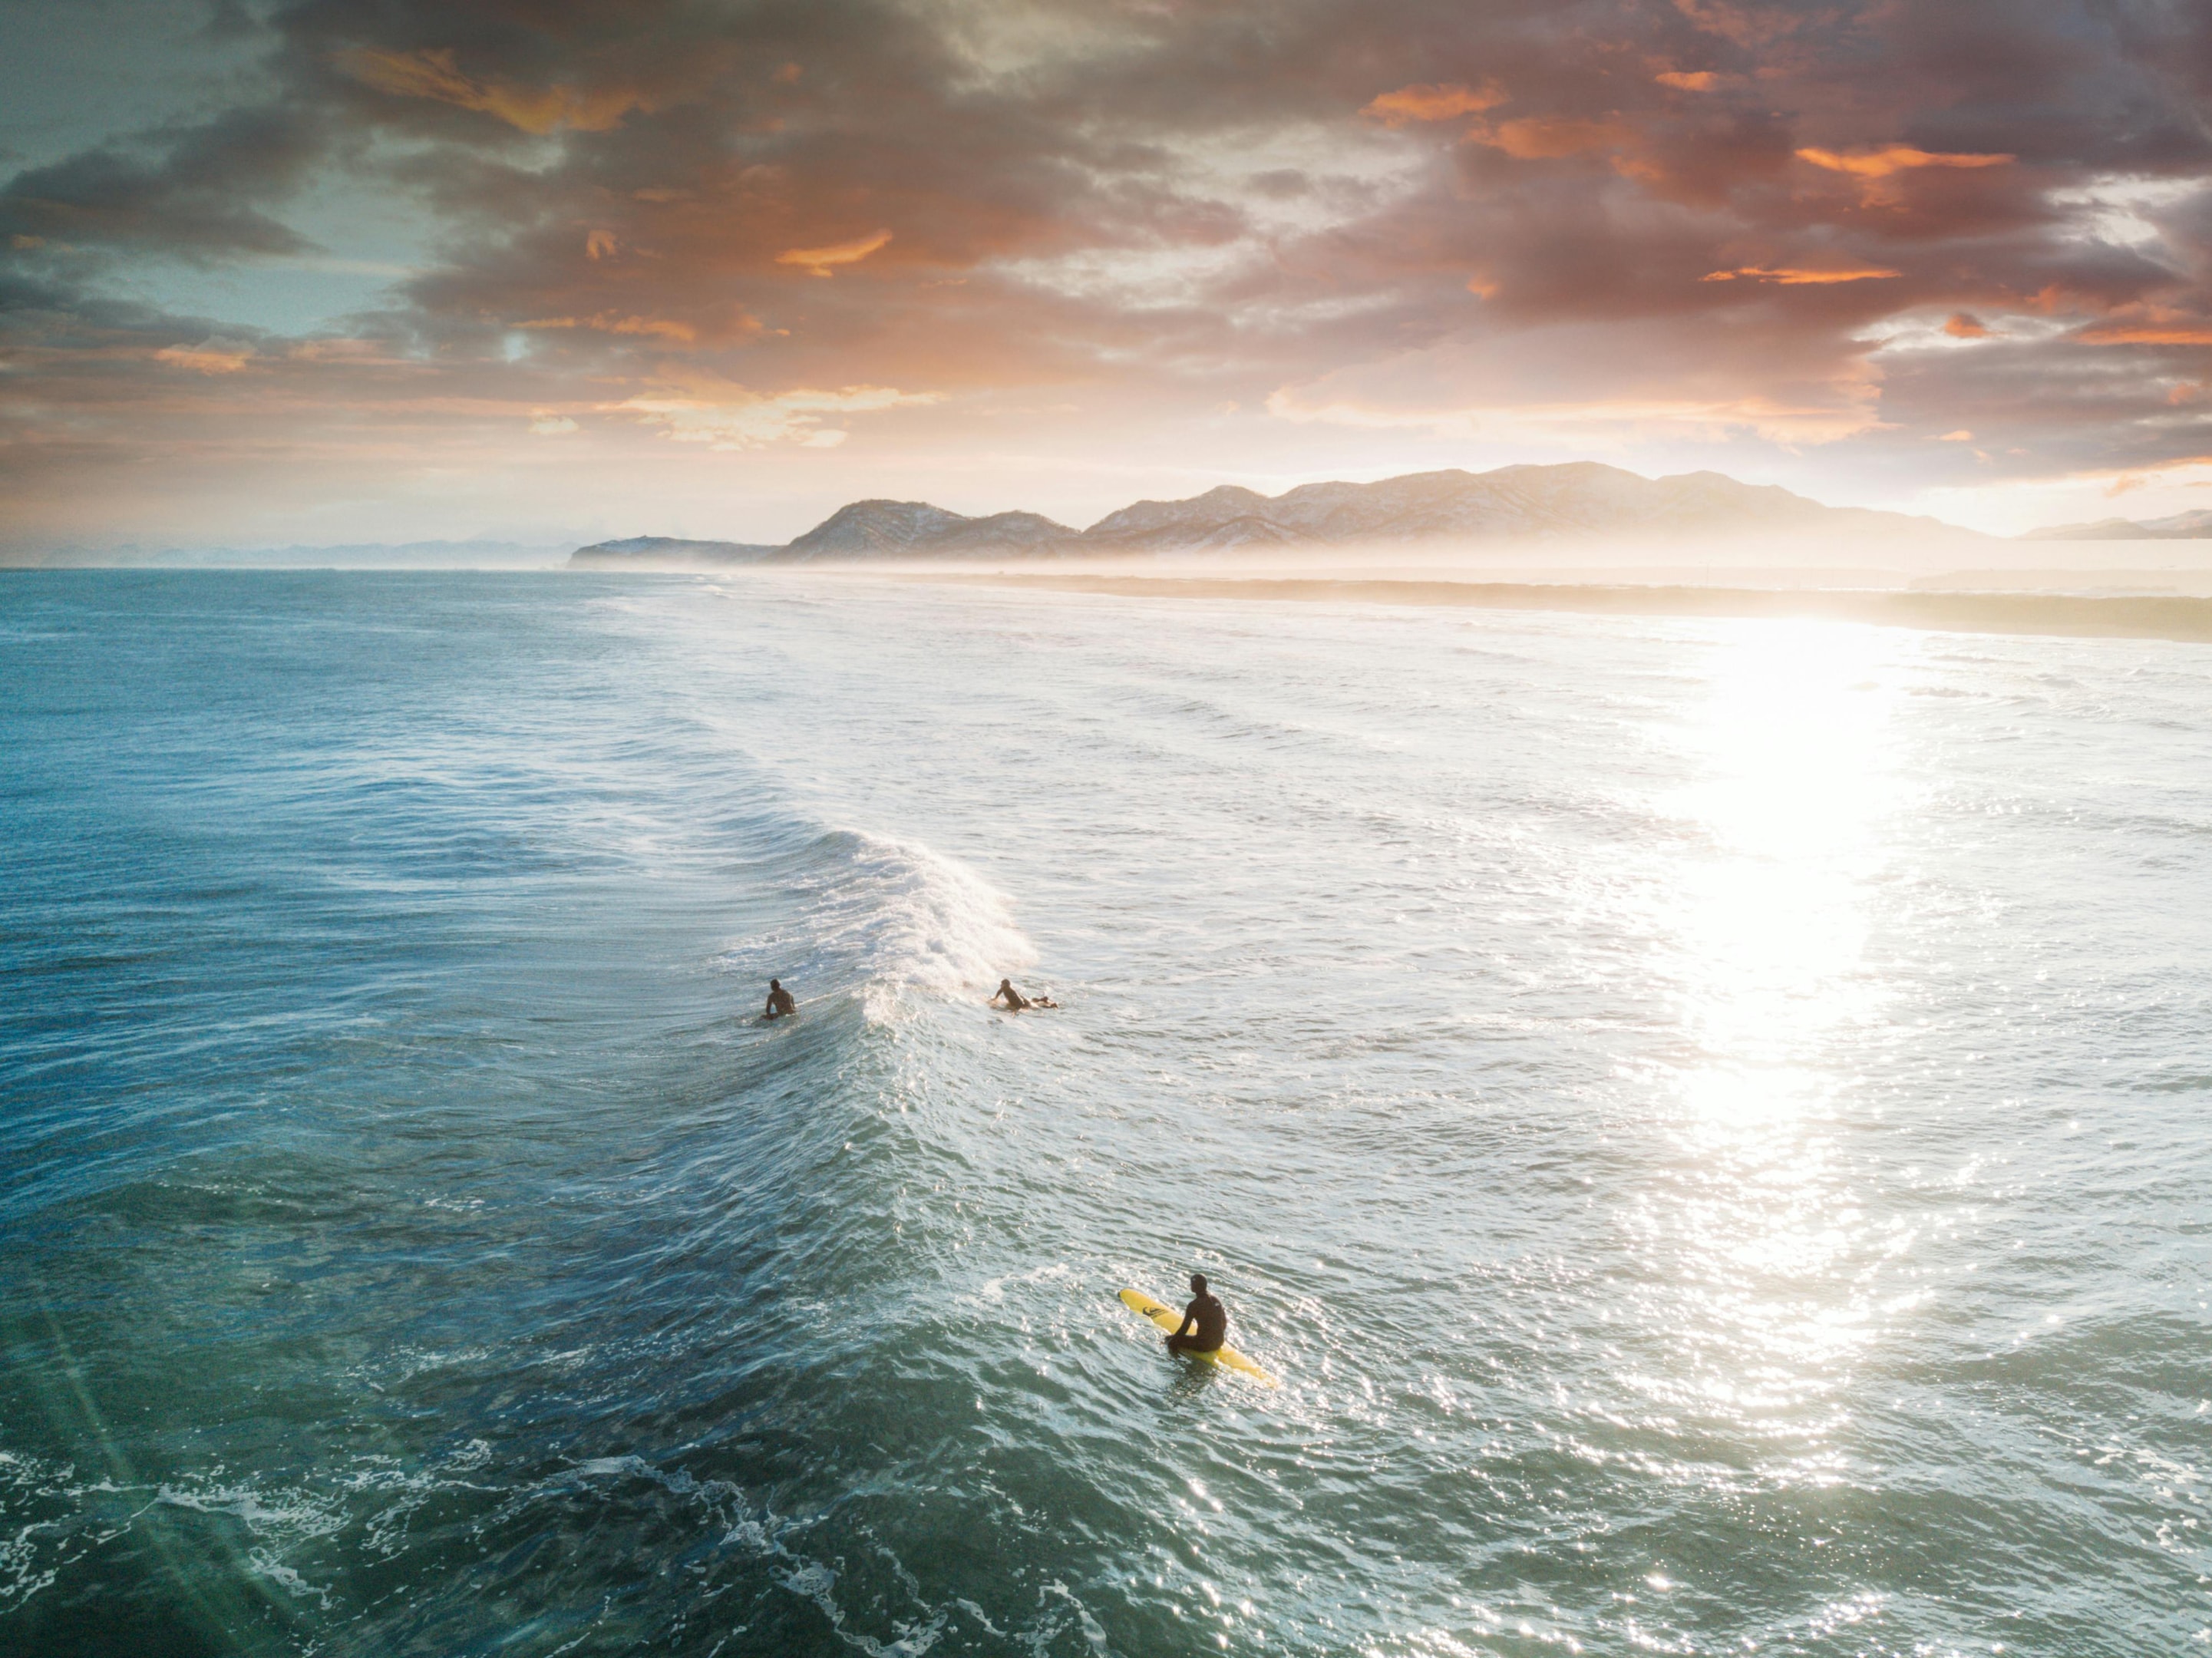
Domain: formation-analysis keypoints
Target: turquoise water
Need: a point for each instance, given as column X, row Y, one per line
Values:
column 1706, row 1119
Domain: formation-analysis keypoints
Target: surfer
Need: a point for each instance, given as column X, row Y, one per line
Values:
column 1206, row 1318
column 1015, row 1001
column 780, row 1001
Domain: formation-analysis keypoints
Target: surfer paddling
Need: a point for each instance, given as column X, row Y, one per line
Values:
column 1015, row 1001
column 1205, row 1322
column 780, row 1001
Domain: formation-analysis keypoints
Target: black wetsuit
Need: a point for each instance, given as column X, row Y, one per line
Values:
column 1211, row 1319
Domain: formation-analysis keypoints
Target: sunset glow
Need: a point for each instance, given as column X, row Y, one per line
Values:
column 315, row 270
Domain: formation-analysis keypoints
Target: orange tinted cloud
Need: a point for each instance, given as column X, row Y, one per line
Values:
column 821, row 261
column 697, row 406
column 1893, row 158
column 2132, row 333
column 1703, row 80
column 1792, row 276
column 1438, row 102
column 1962, row 326
column 433, row 75
column 355, row 353
column 1880, row 171
column 1547, row 137
column 208, row 357
column 608, row 323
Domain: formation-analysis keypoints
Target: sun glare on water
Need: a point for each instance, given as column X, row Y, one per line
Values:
column 1762, row 935
column 1793, row 749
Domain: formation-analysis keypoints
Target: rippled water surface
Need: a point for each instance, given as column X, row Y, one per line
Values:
column 1708, row 1121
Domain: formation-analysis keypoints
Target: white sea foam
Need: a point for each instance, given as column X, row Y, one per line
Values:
column 286, row 1516
column 886, row 916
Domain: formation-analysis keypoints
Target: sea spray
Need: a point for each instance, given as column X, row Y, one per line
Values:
column 880, row 919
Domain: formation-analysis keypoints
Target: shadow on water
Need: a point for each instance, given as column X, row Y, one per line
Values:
column 1190, row 1381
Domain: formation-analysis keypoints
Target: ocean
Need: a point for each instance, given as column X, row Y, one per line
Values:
column 1706, row 1119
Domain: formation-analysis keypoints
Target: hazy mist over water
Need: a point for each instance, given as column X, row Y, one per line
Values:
column 1706, row 1118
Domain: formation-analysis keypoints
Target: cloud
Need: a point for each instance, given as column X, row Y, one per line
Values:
column 1545, row 137
column 821, row 261
column 209, row 356
column 1794, row 277
column 1893, row 159
column 1746, row 26
column 2140, row 333
column 1606, row 385
column 1742, row 224
column 1433, row 102
column 198, row 192
column 696, row 407
column 1878, row 171
column 608, row 323
column 352, row 352
column 430, row 72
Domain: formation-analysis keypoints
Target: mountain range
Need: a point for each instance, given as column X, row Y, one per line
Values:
column 2182, row 526
column 1578, row 498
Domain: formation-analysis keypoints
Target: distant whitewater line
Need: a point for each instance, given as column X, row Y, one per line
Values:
column 1575, row 499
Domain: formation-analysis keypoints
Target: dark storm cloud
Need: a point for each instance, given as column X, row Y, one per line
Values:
column 1392, row 211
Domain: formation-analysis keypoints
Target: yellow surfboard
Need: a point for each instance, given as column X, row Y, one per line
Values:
column 1170, row 1319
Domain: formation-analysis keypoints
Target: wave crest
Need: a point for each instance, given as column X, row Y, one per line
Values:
column 888, row 915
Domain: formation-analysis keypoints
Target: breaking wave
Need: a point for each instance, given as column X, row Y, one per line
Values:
column 875, row 917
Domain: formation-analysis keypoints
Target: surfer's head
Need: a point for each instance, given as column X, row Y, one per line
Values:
column 1198, row 1284
column 1006, row 984
column 775, row 984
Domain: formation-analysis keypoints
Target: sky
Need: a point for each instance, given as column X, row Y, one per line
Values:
column 329, row 271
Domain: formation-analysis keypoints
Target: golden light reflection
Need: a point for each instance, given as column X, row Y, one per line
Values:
column 1793, row 780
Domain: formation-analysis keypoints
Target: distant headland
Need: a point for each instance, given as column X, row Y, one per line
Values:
column 1575, row 500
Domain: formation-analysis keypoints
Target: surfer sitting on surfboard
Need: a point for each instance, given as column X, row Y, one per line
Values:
column 1015, row 1001
column 780, row 1001
column 1206, row 1318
